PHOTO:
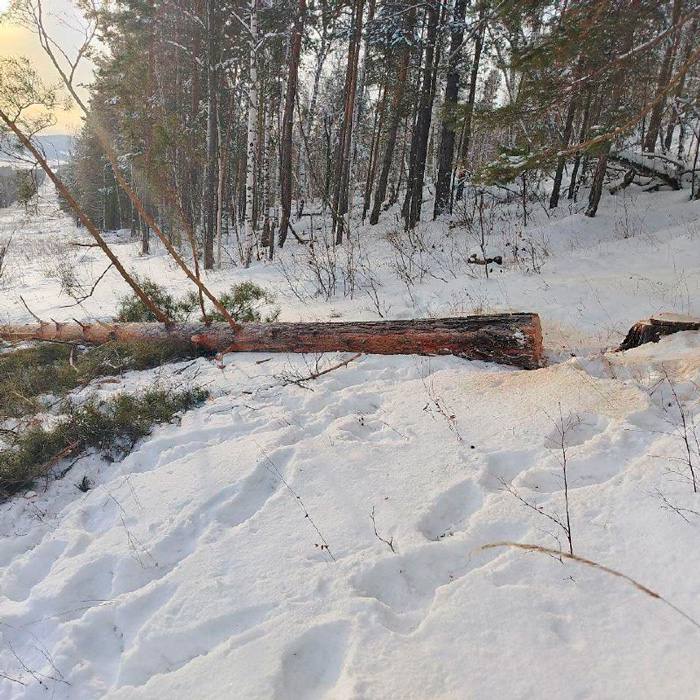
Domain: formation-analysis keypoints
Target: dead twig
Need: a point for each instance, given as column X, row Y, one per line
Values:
column 388, row 543
column 34, row 674
column 78, row 244
column 92, row 289
column 678, row 510
column 320, row 373
column 4, row 248
column 532, row 506
column 33, row 315
column 686, row 431
column 11, row 679
column 437, row 404
column 595, row 565
column 273, row 469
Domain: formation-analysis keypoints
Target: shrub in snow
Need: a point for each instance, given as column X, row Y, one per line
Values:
column 246, row 302
column 111, row 427
column 31, row 373
column 132, row 310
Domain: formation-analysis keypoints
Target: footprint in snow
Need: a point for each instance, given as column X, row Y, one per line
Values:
column 312, row 664
column 31, row 569
column 409, row 582
column 451, row 510
column 505, row 466
column 577, row 429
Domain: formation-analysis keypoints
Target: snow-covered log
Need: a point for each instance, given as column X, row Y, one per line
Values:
column 651, row 165
column 512, row 339
column 654, row 328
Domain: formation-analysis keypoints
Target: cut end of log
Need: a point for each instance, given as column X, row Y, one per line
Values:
column 653, row 329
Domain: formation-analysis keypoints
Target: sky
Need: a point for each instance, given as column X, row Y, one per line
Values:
column 18, row 41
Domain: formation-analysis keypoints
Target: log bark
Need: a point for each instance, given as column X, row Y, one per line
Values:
column 512, row 339
column 653, row 329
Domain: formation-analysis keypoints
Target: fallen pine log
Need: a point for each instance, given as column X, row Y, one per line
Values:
column 653, row 329
column 649, row 166
column 513, row 339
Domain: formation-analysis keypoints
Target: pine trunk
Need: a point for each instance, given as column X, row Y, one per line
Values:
column 581, row 138
column 447, row 138
column 288, row 122
column 561, row 160
column 210, row 185
column 611, row 109
column 396, row 113
column 471, row 98
column 252, row 143
column 664, row 76
column 512, row 339
column 342, row 169
column 374, row 149
column 419, row 151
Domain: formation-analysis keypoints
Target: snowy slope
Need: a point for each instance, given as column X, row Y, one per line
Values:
column 197, row 567
column 639, row 256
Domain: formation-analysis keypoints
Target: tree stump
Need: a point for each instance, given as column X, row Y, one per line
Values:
column 654, row 328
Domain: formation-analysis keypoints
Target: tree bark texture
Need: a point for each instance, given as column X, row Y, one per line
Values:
column 396, row 114
column 447, row 137
column 663, row 78
column 252, row 144
column 210, row 199
column 419, row 147
column 561, row 160
column 512, row 339
column 654, row 328
column 342, row 167
column 288, row 122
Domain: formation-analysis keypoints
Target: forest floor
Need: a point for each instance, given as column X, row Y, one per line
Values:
column 307, row 539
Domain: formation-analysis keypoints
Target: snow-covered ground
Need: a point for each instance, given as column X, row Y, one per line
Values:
column 639, row 256
column 234, row 555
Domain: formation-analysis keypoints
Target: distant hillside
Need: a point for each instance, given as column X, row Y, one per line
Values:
column 56, row 146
